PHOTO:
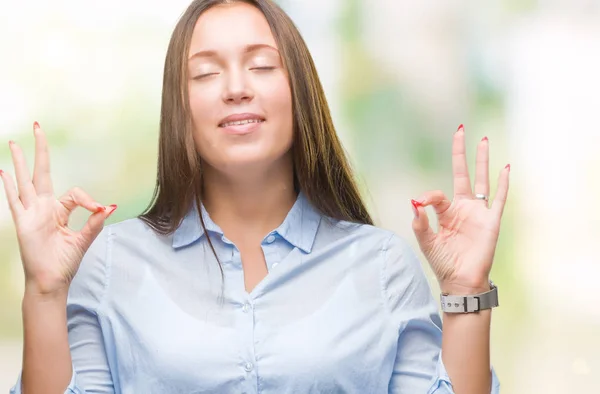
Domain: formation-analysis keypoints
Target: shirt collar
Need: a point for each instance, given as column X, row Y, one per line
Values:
column 299, row 227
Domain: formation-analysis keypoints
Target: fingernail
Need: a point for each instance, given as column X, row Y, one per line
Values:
column 36, row 125
column 100, row 208
column 484, row 139
column 508, row 166
column 111, row 209
column 415, row 207
column 11, row 142
column 1, row 172
column 460, row 128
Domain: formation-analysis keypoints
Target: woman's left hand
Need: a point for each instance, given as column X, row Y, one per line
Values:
column 462, row 251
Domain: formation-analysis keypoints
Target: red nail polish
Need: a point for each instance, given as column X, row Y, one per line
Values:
column 460, row 128
column 36, row 125
column 1, row 172
column 485, row 139
column 111, row 209
column 11, row 142
column 416, row 206
column 416, row 203
column 508, row 166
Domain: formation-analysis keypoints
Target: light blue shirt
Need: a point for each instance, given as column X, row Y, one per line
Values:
column 344, row 308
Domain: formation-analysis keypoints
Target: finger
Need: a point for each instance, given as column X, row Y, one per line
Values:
column 437, row 199
column 501, row 192
column 94, row 224
column 423, row 231
column 12, row 196
column 41, row 170
column 78, row 198
column 482, row 165
column 27, row 192
column 462, row 182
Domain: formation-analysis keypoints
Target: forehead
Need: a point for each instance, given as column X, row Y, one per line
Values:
column 229, row 27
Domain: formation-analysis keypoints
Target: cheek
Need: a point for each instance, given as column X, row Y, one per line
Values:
column 281, row 99
column 202, row 105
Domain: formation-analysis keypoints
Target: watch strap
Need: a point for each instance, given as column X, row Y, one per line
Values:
column 470, row 303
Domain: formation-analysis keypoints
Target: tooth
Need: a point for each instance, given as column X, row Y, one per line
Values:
column 242, row 122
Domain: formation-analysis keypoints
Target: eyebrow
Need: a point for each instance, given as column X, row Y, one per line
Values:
column 247, row 49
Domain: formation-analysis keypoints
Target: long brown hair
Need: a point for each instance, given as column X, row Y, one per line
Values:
column 321, row 169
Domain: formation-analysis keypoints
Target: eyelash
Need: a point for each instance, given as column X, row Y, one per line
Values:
column 204, row 76
column 266, row 68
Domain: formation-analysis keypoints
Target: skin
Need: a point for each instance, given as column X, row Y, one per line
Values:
column 51, row 254
column 461, row 254
column 248, row 178
column 249, row 191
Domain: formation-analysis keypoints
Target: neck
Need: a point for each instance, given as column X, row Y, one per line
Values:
column 252, row 203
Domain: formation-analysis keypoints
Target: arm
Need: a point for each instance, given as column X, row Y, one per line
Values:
column 418, row 367
column 466, row 347
column 414, row 314
column 47, row 363
column 51, row 254
column 461, row 255
column 64, row 349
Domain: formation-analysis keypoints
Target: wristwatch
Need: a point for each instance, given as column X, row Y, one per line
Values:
column 470, row 303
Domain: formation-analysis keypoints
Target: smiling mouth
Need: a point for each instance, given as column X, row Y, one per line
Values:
column 241, row 122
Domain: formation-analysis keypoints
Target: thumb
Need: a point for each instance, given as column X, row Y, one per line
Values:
column 424, row 233
column 94, row 224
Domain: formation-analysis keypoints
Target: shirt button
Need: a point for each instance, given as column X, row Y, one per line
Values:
column 270, row 239
column 246, row 308
column 274, row 265
column 249, row 367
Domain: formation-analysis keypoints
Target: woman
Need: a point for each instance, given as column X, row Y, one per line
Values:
column 256, row 267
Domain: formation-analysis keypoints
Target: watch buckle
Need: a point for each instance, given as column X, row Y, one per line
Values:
column 471, row 306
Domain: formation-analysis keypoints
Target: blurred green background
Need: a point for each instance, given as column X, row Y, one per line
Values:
column 400, row 77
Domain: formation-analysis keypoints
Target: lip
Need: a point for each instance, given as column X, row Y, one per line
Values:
column 238, row 117
column 242, row 129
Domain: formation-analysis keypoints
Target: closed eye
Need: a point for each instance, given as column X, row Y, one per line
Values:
column 204, row 75
column 263, row 68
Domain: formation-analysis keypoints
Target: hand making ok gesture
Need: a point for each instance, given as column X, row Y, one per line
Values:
column 462, row 251
column 51, row 252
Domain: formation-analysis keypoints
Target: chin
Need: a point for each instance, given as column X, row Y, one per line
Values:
column 245, row 164
column 245, row 159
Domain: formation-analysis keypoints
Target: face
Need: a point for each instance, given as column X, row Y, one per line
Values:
column 239, row 92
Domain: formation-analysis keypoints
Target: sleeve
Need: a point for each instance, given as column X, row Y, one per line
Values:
column 418, row 367
column 91, row 372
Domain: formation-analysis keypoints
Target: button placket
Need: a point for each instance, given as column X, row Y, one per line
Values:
column 272, row 253
column 247, row 339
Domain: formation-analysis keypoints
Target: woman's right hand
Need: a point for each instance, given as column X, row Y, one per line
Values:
column 51, row 252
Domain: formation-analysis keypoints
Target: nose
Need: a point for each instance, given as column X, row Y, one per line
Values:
column 237, row 89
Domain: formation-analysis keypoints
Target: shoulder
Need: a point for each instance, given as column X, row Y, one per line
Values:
column 128, row 243
column 381, row 256
column 134, row 233
column 368, row 242
column 132, row 227
column 133, row 242
column 332, row 230
column 131, row 234
column 100, row 250
column 393, row 253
